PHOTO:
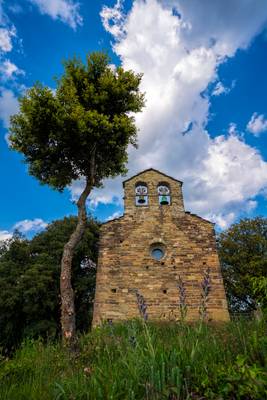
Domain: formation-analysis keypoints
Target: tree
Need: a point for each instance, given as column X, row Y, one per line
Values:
column 243, row 255
column 82, row 130
column 29, row 279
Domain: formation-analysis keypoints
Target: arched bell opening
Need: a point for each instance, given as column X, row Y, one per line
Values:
column 164, row 194
column 141, row 194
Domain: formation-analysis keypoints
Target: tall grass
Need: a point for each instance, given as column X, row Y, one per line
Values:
column 138, row 360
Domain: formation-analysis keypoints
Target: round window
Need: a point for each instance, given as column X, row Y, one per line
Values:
column 157, row 251
column 157, row 254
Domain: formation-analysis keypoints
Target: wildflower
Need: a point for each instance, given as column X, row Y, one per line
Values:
column 206, row 283
column 142, row 306
column 182, row 298
column 206, row 287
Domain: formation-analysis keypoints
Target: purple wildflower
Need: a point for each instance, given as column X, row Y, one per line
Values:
column 182, row 298
column 142, row 306
column 206, row 287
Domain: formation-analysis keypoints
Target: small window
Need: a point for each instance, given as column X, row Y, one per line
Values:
column 157, row 254
column 141, row 194
column 164, row 194
column 157, row 251
column 114, row 290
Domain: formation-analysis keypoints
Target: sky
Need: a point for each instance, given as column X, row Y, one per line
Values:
column 204, row 69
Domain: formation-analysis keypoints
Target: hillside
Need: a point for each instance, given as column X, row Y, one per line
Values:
column 135, row 360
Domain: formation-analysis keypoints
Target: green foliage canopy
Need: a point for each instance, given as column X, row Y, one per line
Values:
column 29, row 281
column 243, row 255
column 89, row 112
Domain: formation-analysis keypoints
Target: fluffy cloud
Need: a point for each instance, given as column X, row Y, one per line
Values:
column 6, row 39
column 221, row 89
column 8, row 105
column 113, row 19
column 116, row 214
column 28, row 225
column 223, row 25
column 7, row 32
column 8, row 70
column 66, row 11
column 4, row 235
column 179, row 50
column 257, row 124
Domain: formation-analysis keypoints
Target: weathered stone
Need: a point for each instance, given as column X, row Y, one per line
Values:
column 125, row 262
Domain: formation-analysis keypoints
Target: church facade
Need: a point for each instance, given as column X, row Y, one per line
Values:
column 153, row 249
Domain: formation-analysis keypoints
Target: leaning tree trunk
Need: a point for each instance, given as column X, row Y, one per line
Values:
column 68, row 323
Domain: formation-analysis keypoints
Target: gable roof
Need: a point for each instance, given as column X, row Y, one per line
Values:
column 151, row 169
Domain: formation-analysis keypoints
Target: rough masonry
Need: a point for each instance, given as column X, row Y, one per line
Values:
column 147, row 249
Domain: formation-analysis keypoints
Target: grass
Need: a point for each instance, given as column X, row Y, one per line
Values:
column 135, row 360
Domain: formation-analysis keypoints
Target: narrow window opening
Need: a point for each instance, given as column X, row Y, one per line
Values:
column 114, row 290
column 164, row 291
column 164, row 194
column 141, row 194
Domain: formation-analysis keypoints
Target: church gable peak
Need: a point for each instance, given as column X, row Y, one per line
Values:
column 145, row 171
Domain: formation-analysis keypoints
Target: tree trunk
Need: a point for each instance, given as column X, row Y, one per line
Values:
column 68, row 323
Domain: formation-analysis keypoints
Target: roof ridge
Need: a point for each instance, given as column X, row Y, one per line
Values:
column 151, row 169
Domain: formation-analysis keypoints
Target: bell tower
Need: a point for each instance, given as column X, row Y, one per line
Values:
column 151, row 189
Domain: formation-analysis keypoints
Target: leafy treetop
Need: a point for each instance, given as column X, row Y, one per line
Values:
column 90, row 112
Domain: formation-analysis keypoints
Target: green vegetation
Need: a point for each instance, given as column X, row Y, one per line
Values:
column 135, row 360
column 29, row 281
column 243, row 256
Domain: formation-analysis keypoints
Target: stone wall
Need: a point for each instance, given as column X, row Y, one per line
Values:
column 125, row 263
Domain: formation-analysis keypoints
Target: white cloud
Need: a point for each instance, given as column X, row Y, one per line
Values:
column 5, row 235
column 116, row 214
column 8, row 105
column 28, row 225
column 223, row 25
column 222, row 220
column 231, row 174
column 180, row 56
column 111, row 194
column 232, row 129
column 7, row 32
column 6, row 36
column 221, row 89
column 113, row 19
column 257, row 124
column 66, row 11
column 8, row 70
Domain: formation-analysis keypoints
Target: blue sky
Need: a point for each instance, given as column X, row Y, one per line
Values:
column 204, row 68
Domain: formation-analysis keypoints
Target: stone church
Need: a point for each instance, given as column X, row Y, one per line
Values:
column 152, row 247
